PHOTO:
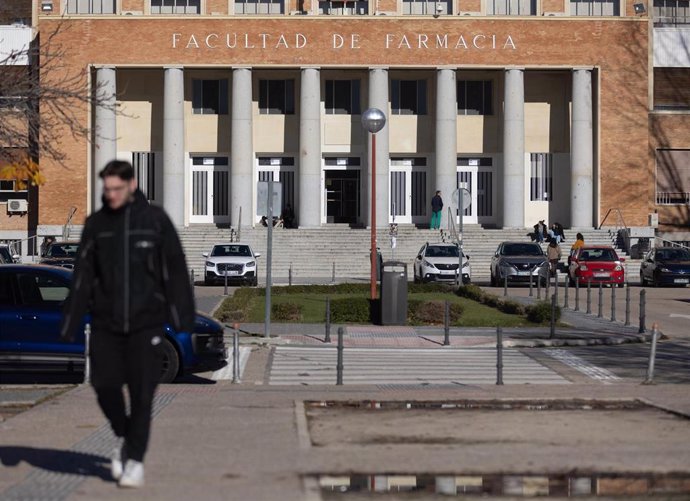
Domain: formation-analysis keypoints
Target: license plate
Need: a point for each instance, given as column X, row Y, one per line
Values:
column 600, row 275
column 681, row 280
column 524, row 273
column 231, row 272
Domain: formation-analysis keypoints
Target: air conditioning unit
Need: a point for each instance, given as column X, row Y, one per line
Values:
column 17, row 206
column 469, row 13
column 552, row 14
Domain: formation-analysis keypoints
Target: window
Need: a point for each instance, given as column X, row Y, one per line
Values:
column 342, row 97
column 90, row 6
column 144, row 163
column 511, row 7
column 594, row 8
column 6, row 294
column 475, row 97
column 210, row 97
column 344, row 8
column 672, row 177
column 258, row 7
column 10, row 187
column 40, row 289
column 541, row 181
column 175, row 6
column 277, row 97
column 671, row 12
column 408, row 97
column 422, row 7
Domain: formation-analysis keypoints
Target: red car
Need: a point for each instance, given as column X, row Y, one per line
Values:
column 598, row 264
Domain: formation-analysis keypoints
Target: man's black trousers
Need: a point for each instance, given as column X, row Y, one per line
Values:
column 132, row 359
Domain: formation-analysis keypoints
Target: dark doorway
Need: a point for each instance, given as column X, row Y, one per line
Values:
column 342, row 196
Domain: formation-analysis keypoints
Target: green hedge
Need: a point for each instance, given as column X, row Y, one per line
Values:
column 431, row 312
column 541, row 312
column 286, row 312
column 350, row 288
column 236, row 308
column 350, row 309
column 476, row 293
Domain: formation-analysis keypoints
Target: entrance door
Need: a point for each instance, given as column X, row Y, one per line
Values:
column 342, row 182
column 210, row 186
column 476, row 175
column 279, row 170
column 408, row 190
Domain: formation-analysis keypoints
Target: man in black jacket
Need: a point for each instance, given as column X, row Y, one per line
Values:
column 131, row 276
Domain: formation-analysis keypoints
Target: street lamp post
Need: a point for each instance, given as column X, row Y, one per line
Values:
column 373, row 120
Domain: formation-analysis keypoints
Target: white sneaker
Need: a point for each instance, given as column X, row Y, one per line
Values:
column 117, row 460
column 133, row 475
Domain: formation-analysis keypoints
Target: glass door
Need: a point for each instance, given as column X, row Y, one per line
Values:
column 408, row 191
column 210, row 190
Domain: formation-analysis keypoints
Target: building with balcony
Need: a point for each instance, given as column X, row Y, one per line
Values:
column 541, row 109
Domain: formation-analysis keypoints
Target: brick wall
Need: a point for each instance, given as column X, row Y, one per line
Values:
column 616, row 47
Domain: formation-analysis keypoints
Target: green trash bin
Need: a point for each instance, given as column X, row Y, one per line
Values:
column 394, row 293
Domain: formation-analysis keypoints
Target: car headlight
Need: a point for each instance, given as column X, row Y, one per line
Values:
column 618, row 268
column 583, row 267
column 427, row 263
column 505, row 264
column 251, row 264
column 210, row 264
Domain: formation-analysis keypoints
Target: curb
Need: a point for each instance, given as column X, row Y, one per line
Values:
column 553, row 343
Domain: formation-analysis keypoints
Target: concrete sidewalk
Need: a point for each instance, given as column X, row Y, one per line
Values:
column 247, row 442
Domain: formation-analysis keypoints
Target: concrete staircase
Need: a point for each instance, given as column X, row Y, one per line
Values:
column 313, row 252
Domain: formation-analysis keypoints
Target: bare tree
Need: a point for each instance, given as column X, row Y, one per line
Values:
column 39, row 104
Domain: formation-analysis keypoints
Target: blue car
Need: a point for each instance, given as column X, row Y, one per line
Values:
column 31, row 298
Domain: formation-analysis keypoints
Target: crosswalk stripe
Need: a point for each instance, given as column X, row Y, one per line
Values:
column 475, row 365
column 583, row 366
column 226, row 372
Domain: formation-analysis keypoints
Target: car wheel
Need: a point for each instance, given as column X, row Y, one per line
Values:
column 255, row 282
column 655, row 281
column 170, row 365
column 492, row 280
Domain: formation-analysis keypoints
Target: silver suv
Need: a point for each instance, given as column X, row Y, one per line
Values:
column 236, row 261
column 518, row 261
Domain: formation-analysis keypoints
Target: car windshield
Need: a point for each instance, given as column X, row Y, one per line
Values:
column 231, row 250
column 521, row 250
column 5, row 255
column 63, row 250
column 672, row 255
column 598, row 255
column 442, row 251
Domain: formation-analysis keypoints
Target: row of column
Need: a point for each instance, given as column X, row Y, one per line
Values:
column 242, row 150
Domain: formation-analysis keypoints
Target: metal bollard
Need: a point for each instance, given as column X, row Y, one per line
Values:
column 555, row 285
column 652, row 357
column 333, row 273
column 339, row 363
column 600, row 304
column 613, row 302
column 225, row 279
column 499, row 356
column 531, row 287
column 290, row 275
column 589, row 297
column 235, row 355
column 446, row 325
column 566, row 287
column 577, row 293
column 643, row 301
column 627, row 304
column 191, row 278
column 547, row 288
column 87, row 354
column 505, row 285
column 539, row 286
column 327, row 338
column 552, row 326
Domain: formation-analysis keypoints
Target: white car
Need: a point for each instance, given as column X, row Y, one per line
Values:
column 440, row 262
column 237, row 261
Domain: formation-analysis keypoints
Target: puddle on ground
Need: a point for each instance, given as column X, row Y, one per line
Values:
column 608, row 485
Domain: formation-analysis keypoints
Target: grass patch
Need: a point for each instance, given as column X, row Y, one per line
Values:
column 426, row 306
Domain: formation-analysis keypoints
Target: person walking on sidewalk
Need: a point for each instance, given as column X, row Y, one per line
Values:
column 436, row 208
column 131, row 276
column 553, row 254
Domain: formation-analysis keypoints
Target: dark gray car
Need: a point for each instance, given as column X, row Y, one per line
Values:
column 518, row 261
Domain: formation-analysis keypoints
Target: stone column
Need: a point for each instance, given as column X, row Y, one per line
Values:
column 241, row 148
column 514, row 149
column 309, row 214
column 446, row 139
column 173, row 145
column 581, row 151
column 105, row 141
column 378, row 98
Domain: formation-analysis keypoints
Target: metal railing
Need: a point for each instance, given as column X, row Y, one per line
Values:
column 16, row 246
column 67, row 228
column 662, row 242
column 620, row 221
column 673, row 198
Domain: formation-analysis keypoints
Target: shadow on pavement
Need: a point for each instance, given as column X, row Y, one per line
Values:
column 57, row 461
